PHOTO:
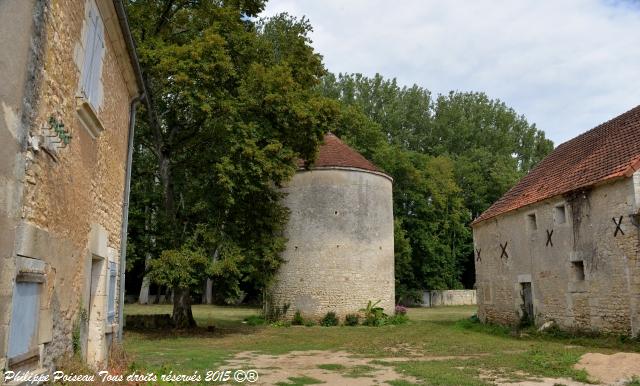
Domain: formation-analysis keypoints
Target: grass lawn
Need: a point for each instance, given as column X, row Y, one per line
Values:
column 469, row 353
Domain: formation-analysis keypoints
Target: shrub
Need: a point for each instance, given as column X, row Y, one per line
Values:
column 281, row 323
column 373, row 315
column 276, row 313
column 309, row 323
column 255, row 320
column 298, row 320
column 401, row 310
column 397, row 319
column 352, row 320
column 330, row 319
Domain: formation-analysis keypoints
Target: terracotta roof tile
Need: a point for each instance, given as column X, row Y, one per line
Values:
column 334, row 152
column 608, row 151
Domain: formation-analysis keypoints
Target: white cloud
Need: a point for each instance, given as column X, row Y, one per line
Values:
column 566, row 65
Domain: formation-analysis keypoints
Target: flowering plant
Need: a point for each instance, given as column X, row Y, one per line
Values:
column 401, row 310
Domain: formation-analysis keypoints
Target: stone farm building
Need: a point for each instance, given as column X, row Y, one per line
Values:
column 69, row 79
column 563, row 244
column 339, row 253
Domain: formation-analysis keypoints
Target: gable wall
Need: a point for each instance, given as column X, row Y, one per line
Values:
column 72, row 199
column 605, row 300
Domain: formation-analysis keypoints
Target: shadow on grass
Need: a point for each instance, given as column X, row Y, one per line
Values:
column 568, row 337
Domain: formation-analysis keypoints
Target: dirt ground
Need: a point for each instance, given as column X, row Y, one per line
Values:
column 343, row 368
column 611, row 369
column 278, row 368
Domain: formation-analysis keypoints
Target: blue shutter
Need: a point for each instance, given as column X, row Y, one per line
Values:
column 111, row 310
column 89, row 46
column 94, row 49
column 96, row 63
column 24, row 318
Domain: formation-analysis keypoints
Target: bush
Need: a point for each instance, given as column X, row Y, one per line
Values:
column 330, row 319
column 298, row 320
column 397, row 319
column 401, row 310
column 309, row 323
column 352, row 320
column 281, row 323
column 255, row 320
column 373, row 315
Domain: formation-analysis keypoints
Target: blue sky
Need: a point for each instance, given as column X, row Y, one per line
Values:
column 567, row 65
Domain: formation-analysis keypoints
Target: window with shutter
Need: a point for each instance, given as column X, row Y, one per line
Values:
column 93, row 53
column 111, row 308
column 24, row 319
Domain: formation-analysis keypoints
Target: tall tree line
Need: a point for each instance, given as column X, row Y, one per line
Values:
column 236, row 100
column 451, row 156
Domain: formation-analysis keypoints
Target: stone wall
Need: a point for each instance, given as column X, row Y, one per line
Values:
column 72, row 200
column 582, row 276
column 448, row 298
column 22, row 20
column 339, row 253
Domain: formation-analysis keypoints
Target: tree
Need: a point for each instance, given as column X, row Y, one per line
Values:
column 450, row 156
column 233, row 106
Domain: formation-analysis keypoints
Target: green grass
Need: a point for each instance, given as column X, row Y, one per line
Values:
column 441, row 331
column 300, row 381
column 332, row 367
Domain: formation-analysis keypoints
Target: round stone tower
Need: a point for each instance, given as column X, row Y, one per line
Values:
column 339, row 253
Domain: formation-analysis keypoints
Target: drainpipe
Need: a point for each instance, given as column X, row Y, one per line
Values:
column 131, row 49
column 125, row 212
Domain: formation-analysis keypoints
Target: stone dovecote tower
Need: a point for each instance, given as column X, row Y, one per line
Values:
column 339, row 253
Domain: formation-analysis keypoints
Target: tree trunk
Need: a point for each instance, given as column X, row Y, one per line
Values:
column 143, row 298
column 208, row 291
column 182, row 315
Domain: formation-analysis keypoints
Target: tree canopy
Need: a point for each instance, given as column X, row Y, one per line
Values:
column 233, row 105
column 451, row 156
column 235, row 100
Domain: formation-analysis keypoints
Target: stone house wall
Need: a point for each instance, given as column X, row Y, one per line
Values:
column 582, row 276
column 339, row 253
column 71, row 206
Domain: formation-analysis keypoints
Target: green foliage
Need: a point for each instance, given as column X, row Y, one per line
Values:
column 397, row 319
column 451, row 157
column 255, row 320
column 61, row 132
column 297, row 320
column 352, row 320
column 374, row 315
column 234, row 105
column 183, row 268
column 635, row 381
column 275, row 313
column 309, row 323
column 330, row 319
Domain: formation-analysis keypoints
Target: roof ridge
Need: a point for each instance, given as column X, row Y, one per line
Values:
column 607, row 151
column 333, row 152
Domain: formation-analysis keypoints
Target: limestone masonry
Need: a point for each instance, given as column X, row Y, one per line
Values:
column 70, row 81
column 339, row 253
column 563, row 245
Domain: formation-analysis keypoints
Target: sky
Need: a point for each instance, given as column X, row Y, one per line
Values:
column 566, row 65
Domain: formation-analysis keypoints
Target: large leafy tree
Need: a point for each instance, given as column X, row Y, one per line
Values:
column 233, row 104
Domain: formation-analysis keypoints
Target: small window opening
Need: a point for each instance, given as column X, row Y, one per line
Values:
column 531, row 218
column 578, row 270
column 560, row 214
